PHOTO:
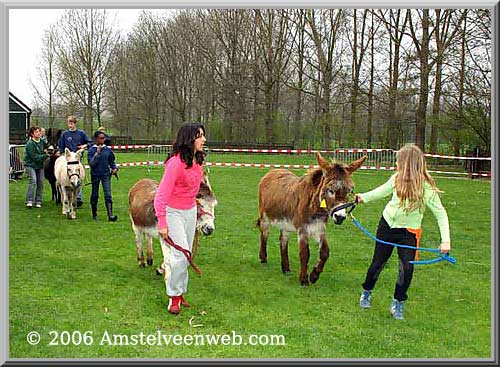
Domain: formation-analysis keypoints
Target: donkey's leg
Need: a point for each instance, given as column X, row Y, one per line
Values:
column 74, row 195
column 195, row 244
column 264, row 233
column 53, row 191
column 72, row 204
column 324, row 253
column 64, row 199
column 304, row 257
column 149, row 249
column 138, row 243
column 285, row 262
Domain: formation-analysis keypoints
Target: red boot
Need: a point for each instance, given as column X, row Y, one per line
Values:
column 184, row 303
column 174, row 304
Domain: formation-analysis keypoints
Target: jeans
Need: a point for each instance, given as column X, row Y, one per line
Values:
column 35, row 178
column 106, row 186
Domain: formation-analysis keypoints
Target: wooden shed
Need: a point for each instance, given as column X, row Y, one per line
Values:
column 19, row 120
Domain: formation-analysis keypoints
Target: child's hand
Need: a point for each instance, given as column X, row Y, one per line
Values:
column 358, row 199
column 163, row 233
column 445, row 247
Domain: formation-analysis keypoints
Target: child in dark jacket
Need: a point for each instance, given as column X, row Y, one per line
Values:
column 102, row 165
column 34, row 158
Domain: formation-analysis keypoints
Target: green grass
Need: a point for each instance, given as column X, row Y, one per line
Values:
column 83, row 275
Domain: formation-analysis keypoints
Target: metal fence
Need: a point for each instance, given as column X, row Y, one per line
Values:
column 16, row 167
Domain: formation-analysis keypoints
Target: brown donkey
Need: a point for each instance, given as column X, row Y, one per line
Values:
column 143, row 216
column 303, row 205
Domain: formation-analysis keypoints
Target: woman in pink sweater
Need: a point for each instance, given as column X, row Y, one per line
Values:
column 175, row 206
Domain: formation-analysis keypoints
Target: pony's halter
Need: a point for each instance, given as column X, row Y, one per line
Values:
column 202, row 212
column 77, row 174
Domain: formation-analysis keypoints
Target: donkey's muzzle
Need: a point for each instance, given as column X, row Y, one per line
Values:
column 76, row 184
column 338, row 218
column 207, row 230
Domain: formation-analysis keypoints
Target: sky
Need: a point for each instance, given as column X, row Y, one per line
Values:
column 26, row 29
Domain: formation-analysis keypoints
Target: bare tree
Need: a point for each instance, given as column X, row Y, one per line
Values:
column 273, row 32
column 323, row 27
column 422, row 47
column 359, row 43
column 84, row 44
column 48, row 74
column 445, row 34
column 395, row 22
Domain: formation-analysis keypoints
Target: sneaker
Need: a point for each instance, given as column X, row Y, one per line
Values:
column 365, row 301
column 29, row 205
column 184, row 303
column 38, row 205
column 396, row 309
column 174, row 304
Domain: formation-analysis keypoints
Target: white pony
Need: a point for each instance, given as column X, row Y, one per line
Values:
column 70, row 173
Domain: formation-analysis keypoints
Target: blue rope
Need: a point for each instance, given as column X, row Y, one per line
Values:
column 441, row 257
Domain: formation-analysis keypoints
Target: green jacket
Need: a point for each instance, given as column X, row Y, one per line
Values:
column 34, row 156
column 397, row 217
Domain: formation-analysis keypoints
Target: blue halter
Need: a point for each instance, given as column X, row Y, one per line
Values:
column 441, row 257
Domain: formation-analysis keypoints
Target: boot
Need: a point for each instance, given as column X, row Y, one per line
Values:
column 174, row 304
column 94, row 210
column 111, row 217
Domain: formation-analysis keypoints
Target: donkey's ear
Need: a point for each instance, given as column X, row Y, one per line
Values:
column 67, row 153
column 356, row 164
column 79, row 153
column 323, row 163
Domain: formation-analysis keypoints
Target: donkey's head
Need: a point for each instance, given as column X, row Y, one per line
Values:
column 74, row 168
column 335, row 186
column 206, row 203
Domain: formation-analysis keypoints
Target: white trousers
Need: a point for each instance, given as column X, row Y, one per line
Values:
column 181, row 228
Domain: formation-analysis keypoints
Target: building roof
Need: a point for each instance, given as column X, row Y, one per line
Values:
column 15, row 104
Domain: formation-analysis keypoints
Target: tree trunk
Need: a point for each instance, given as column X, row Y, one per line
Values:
column 421, row 117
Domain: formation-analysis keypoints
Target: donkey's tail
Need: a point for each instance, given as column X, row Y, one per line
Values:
column 257, row 223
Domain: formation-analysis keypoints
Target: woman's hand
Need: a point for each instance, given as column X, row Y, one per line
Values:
column 445, row 247
column 163, row 233
column 358, row 199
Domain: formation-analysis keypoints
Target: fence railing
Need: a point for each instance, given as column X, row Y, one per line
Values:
column 378, row 159
column 16, row 167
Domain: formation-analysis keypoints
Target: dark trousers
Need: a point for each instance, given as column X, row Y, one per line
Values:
column 106, row 186
column 383, row 252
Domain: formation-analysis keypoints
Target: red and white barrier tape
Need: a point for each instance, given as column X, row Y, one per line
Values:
column 463, row 158
column 289, row 166
column 128, row 146
column 302, row 151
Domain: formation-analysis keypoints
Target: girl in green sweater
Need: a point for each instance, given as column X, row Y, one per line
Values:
column 412, row 189
column 34, row 158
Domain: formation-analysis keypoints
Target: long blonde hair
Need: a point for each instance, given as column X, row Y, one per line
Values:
column 411, row 176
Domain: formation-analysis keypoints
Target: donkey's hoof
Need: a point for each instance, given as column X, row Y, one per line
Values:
column 150, row 262
column 287, row 273
column 264, row 264
column 142, row 265
column 159, row 271
column 314, row 276
column 304, row 282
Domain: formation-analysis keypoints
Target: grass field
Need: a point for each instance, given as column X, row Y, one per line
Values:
column 83, row 276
